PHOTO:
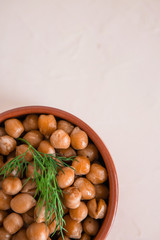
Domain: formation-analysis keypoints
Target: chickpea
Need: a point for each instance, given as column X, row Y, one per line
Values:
column 97, row 210
column 80, row 213
column 66, row 126
column 30, row 170
column 37, row 231
column 2, row 132
column 97, row 174
column 46, row 147
column 65, row 238
column 29, row 187
column 1, row 161
column 79, row 139
column 11, row 155
column 69, row 152
column 90, row 151
column 91, row 226
column 28, row 217
column 60, row 139
column 34, row 137
column 21, row 235
column 3, row 214
column 73, row 228
column 72, row 197
column 22, row 149
column 22, row 202
column 65, row 210
column 30, row 122
column 39, row 214
column 101, row 191
column 7, row 144
column 52, row 227
column 4, row 235
column 12, row 223
column 13, row 127
column 47, row 124
column 14, row 172
column 65, row 178
column 11, row 185
column 85, row 187
column 82, row 165
column 4, row 201
column 85, row 237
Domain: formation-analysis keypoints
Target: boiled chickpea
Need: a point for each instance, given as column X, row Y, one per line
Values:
column 39, row 214
column 97, row 210
column 65, row 238
column 80, row 213
column 47, row 124
column 22, row 202
column 73, row 228
column 65, row 178
column 1, row 161
column 85, row 187
column 12, row 223
column 28, row 217
column 11, row 185
column 90, row 152
column 22, row 149
column 34, row 137
column 65, row 210
column 4, row 201
column 72, row 197
column 14, row 172
column 31, row 192
column 79, row 139
column 69, row 152
column 29, row 186
column 101, row 191
column 30, row 122
column 60, row 139
column 21, row 235
column 97, row 174
column 4, row 235
column 46, row 147
column 37, row 231
column 91, row 226
column 85, row 237
column 30, row 170
column 3, row 214
column 52, row 227
column 14, row 127
column 81, row 165
column 66, row 126
column 2, row 132
column 11, row 155
column 7, row 144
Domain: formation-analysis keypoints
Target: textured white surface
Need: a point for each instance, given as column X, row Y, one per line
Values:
column 100, row 60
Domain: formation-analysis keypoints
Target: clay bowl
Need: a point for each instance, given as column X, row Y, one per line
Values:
column 107, row 159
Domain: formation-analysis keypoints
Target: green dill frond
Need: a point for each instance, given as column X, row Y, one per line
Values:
column 46, row 167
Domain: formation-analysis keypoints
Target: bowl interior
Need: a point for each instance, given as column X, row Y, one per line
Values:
column 107, row 160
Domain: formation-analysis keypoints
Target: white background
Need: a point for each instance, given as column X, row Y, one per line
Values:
column 100, row 60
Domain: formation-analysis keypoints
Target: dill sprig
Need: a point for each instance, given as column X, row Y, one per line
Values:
column 49, row 194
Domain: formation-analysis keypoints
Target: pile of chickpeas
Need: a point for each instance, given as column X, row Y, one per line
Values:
column 85, row 191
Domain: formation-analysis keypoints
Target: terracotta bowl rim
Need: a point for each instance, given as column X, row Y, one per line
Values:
column 112, row 174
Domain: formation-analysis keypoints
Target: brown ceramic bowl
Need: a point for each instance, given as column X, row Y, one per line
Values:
column 113, row 182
